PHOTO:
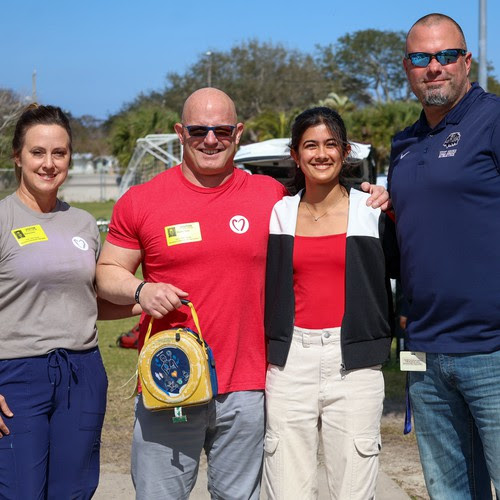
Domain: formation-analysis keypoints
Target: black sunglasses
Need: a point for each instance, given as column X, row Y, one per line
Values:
column 443, row 57
column 202, row 130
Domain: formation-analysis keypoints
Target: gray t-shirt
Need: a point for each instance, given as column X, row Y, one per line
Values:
column 47, row 275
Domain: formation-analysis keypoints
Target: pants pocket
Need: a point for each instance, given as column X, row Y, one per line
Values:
column 272, row 467
column 13, row 448
column 93, row 392
column 270, row 444
column 365, row 467
column 367, row 447
column 94, row 387
column 15, row 379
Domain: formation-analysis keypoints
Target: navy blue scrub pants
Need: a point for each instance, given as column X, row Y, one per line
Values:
column 58, row 401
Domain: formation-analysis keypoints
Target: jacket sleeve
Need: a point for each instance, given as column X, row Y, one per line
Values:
column 390, row 246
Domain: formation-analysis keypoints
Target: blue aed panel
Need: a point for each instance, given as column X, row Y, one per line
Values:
column 170, row 370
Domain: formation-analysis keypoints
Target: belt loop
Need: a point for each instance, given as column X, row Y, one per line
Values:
column 306, row 341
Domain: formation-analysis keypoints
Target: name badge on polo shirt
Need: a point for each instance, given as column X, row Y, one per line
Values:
column 183, row 233
column 411, row 361
column 29, row 234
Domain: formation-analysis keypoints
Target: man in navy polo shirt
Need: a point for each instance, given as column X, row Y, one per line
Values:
column 445, row 187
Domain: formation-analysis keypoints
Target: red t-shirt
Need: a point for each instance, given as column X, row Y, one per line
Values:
column 211, row 243
column 319, row 280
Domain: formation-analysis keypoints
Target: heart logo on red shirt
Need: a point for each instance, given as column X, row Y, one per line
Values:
column 239, row 224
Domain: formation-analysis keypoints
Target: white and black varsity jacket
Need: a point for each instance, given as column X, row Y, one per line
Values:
column 371, row 259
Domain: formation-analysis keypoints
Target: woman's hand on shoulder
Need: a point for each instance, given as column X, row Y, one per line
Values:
column 4, row 410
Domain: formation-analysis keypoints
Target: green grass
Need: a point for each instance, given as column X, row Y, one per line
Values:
column 100, row 210
column 120, row 366
column 395, row 379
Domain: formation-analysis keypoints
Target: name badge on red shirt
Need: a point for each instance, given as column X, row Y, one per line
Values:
column 183, row 233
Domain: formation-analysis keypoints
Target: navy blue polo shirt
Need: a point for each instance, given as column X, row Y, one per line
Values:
column 445, row 188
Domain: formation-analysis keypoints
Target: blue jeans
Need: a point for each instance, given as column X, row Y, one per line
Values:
column 456, row 408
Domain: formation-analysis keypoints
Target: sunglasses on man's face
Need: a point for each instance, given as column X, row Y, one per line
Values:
column 202, row 130
column 443, row 57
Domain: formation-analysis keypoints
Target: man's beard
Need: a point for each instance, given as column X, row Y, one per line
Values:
column 436, row 97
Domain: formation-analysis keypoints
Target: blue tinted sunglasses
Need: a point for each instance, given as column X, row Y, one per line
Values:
column 443, row 57
column 202, row 130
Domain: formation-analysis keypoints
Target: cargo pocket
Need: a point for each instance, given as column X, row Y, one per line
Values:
column 13, row 450
column 365, row 467
column 17, row 426
column 272, row 479
column 271, row 443
column 367, row 447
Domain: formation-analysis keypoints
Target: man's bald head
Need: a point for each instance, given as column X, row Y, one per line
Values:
column 434, row 19
column 208, row 159
column 208, row 101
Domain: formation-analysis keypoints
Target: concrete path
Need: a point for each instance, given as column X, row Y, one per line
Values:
column 119, row 486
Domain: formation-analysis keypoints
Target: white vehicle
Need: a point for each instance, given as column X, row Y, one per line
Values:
column 272, row 157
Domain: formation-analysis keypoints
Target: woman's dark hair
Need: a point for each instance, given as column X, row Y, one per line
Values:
column 35, row 114
column 311, row 118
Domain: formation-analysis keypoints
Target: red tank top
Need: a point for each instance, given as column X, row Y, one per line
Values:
column 319, row 280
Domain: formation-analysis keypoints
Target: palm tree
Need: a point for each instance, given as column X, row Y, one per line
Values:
column 340, row 103
column 270, row 125
column 131, row 125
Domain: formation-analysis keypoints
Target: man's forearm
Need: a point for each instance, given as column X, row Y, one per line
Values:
column 109, row 311
column 116, row 284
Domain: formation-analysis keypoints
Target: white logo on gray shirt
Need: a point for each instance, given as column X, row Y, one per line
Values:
column 80, row 243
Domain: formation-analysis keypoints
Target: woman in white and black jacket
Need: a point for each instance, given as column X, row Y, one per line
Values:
column 328, row 322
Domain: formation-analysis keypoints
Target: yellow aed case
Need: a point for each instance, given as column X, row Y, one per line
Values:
column 176, row 368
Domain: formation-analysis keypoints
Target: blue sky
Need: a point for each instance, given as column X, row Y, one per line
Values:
column 94, row 56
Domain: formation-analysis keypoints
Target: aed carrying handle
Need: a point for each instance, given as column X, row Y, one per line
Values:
column 193, row 313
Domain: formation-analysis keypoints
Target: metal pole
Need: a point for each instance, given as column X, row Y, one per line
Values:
column 483, row 73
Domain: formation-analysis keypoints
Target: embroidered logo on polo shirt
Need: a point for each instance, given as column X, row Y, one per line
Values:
column 80, row 243
column 450, row 142
column 239, row 224
column 447, row 154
